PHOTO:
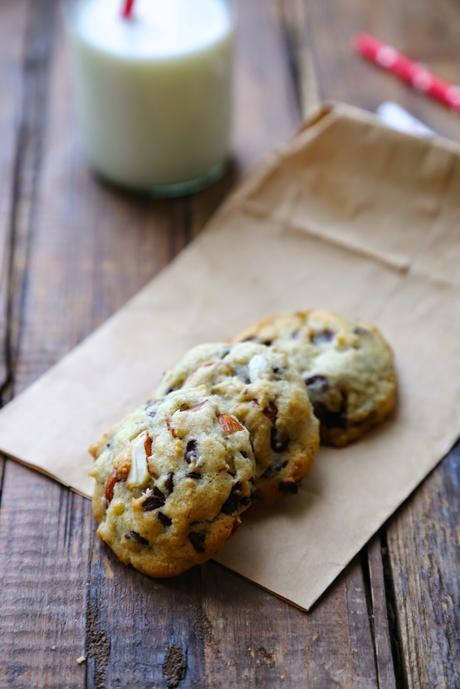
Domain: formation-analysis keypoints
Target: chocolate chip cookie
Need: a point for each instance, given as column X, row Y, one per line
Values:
column 266, row 394
column 171, row 482
column 348, row 368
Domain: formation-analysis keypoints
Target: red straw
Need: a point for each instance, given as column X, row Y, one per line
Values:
column 416, row 75
column 127, row 9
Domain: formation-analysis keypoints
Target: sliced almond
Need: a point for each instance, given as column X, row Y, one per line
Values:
column 148, row 446
column 258, row 367
column 138, row 473
column 229, row 424
column 170, row 427
column 110, row 485
column 198, row 406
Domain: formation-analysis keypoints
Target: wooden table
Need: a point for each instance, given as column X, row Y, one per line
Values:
column 71, row 253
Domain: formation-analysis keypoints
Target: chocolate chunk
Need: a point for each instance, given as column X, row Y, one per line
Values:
column 271, row 412
column 322, row 337
column 330, row 418
column 225, row 352
column 197, row 540
column 173, row 388
column 317, row 383
column 136, row 537
column 231, row 504
column 245, row 501
column 191, row 451
column 244, row 454
column 274, row 469
column 288, row 487
column 164, row 519
column 194, row 474
column 359, row 330
column 279, row 440
column 267, row 343
column 153, row 502
column 169, row 483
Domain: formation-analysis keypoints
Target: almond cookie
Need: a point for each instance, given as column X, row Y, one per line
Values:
column 266, row 394
column 348, row 368
column 171, row 481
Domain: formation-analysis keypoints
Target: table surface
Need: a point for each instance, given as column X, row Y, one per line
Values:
column 71, row 253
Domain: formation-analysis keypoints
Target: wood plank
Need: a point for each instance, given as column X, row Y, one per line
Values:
column 423, row 565
column 279, row 646
column 12, row 29
column 297, row 27
column 422, row 625
column 41, row 525
column 379, row 615
column 44, row 531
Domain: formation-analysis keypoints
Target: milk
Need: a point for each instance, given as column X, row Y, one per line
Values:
column 153, row 92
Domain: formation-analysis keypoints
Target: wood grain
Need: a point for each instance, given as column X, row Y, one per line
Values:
column 43, row 528
column 12, row 31
column 423, row 562
column 378, row 613
column 75, row 251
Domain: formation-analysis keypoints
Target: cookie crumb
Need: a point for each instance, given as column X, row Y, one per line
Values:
column 81, row 660
column 53, row 648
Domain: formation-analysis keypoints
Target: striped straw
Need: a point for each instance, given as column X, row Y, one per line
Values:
column 412, row 73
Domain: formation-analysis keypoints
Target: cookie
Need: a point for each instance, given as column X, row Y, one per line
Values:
column 171, row 482
column 268, row 396
column 348, row 368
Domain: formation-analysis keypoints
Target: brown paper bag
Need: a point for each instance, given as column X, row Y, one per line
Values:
column 351, row 216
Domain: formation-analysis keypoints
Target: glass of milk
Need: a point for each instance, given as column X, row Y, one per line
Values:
column 154, row 90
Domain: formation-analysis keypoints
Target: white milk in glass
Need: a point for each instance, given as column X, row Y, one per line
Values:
column 153, row 91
